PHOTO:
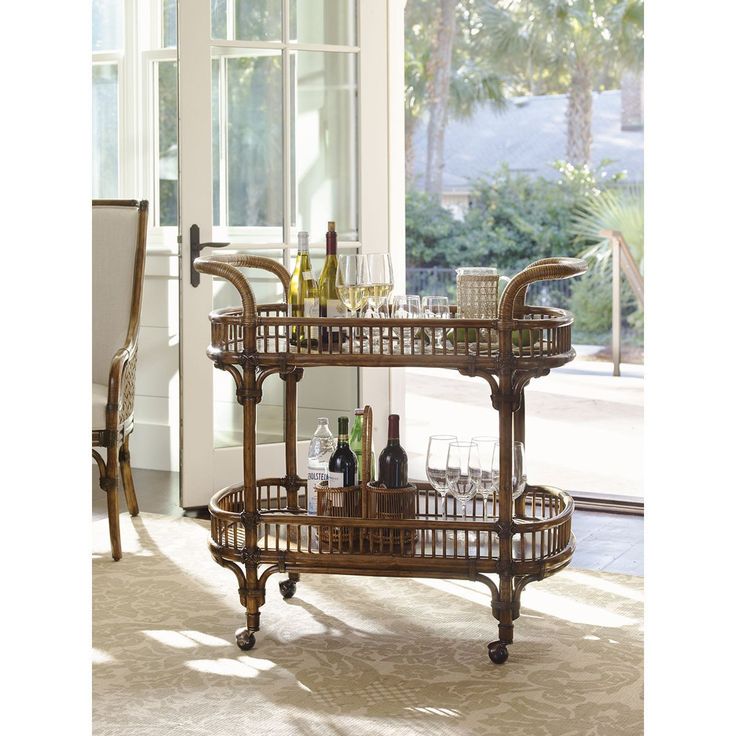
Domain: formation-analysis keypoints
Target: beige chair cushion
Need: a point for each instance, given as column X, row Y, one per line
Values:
column 114, row 240
column 99, row 401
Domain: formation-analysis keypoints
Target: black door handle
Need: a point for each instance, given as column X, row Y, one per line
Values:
column 195, row 250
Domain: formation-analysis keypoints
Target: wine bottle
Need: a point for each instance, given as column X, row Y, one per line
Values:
column 343, row 463
column 356, row 445
column 303, row 292
column 393, row 464
column 329, row 301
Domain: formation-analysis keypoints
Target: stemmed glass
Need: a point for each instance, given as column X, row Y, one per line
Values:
column 518, row 471
column 350, row 281
column 380, row 309
column 436, row 307
column 436, row 465
column 379, row 277
column 488, row 476
column 463, row 471
column 406, row 307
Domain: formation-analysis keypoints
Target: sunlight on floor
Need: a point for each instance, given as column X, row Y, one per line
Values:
column 607, row 586
column 538, row 600
column 100, row 657
column 446, row 712
column 244, row 667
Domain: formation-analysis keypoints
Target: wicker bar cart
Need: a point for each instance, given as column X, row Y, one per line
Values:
column 261, row 527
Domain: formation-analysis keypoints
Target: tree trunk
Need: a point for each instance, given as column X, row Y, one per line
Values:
column 410, row 125
column 580, row 116
column 439, row 72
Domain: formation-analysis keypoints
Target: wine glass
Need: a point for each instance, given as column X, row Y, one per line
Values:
column 406, row 307
column 379, row 277
column 518, row 471
column 488, row 479
column 350, row 281
column 380, row 309
column 436, row 307
column 436, row 465
column 463, row 471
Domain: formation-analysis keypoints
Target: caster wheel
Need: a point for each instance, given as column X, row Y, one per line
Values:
column 498, row 652
column 245, row 639
column 287, row 588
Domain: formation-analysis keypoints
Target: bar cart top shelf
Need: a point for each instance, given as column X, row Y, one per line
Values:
column 523, row 337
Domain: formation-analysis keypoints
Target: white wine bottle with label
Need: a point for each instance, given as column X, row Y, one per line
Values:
column 303, row 292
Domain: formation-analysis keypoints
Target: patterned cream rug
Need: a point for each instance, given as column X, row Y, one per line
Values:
column 351, row 655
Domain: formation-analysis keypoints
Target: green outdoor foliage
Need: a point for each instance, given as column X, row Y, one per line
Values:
column 614, row 209
column 515, row 219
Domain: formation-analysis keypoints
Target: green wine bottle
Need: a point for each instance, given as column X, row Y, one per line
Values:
column 303, row 292
column 329, row 301
column 356, row 445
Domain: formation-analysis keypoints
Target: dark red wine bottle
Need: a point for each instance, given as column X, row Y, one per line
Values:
column 343, row 465
column 393, row 464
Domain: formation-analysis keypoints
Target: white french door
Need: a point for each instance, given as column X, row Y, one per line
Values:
column 283, row 125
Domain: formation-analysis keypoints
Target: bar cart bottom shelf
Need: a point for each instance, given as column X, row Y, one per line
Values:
column 278, row 539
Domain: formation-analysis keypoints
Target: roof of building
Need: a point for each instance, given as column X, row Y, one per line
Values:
column 529, row 135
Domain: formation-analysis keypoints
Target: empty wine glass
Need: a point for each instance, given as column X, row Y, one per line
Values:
column 436, row 307
column 379, row 277
column 463, row 471
column 488, row 479
column 406, row 307
column 379, row 309
column 518, row 470
column 436, row 465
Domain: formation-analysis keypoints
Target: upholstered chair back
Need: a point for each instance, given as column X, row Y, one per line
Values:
column 116, row 279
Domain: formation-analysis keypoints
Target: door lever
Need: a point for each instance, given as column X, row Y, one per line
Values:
column 195, row 250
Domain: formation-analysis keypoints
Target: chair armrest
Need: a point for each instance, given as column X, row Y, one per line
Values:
column 546, row 269
column 226, row 266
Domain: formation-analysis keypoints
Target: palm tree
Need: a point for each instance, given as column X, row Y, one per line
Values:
column 447, row 75
column 570, row 44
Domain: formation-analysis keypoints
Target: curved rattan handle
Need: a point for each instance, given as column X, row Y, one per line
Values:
column 546, row 269
column 226, row 266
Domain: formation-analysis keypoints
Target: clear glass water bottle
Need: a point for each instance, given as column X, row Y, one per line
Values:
column 320, row 448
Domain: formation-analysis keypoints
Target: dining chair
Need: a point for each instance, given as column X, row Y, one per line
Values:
column 118, row 260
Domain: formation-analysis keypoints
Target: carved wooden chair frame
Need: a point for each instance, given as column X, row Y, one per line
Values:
column 120, row 394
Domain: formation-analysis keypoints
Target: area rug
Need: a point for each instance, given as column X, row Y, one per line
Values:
column 349, row 655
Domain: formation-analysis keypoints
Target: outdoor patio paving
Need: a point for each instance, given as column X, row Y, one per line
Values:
column 585, row 427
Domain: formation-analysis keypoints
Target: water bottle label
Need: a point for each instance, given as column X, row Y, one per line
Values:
column 314, row 476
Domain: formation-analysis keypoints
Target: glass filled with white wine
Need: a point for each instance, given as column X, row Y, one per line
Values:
column 379, row 278
column 350, row 281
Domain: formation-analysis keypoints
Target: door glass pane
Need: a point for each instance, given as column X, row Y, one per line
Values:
column 228, row 414
column 322, row 21
column 107, row 25
column 167, row 143
column 105, row 131
column 325, row 142
column 253, row 20
column 168, row 23
column 247, row 125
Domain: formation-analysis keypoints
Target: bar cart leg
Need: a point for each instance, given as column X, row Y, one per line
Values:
column 503, row 606
column 255, row 595
column 291, row 482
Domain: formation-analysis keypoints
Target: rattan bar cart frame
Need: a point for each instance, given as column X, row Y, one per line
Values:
column 259, row 528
